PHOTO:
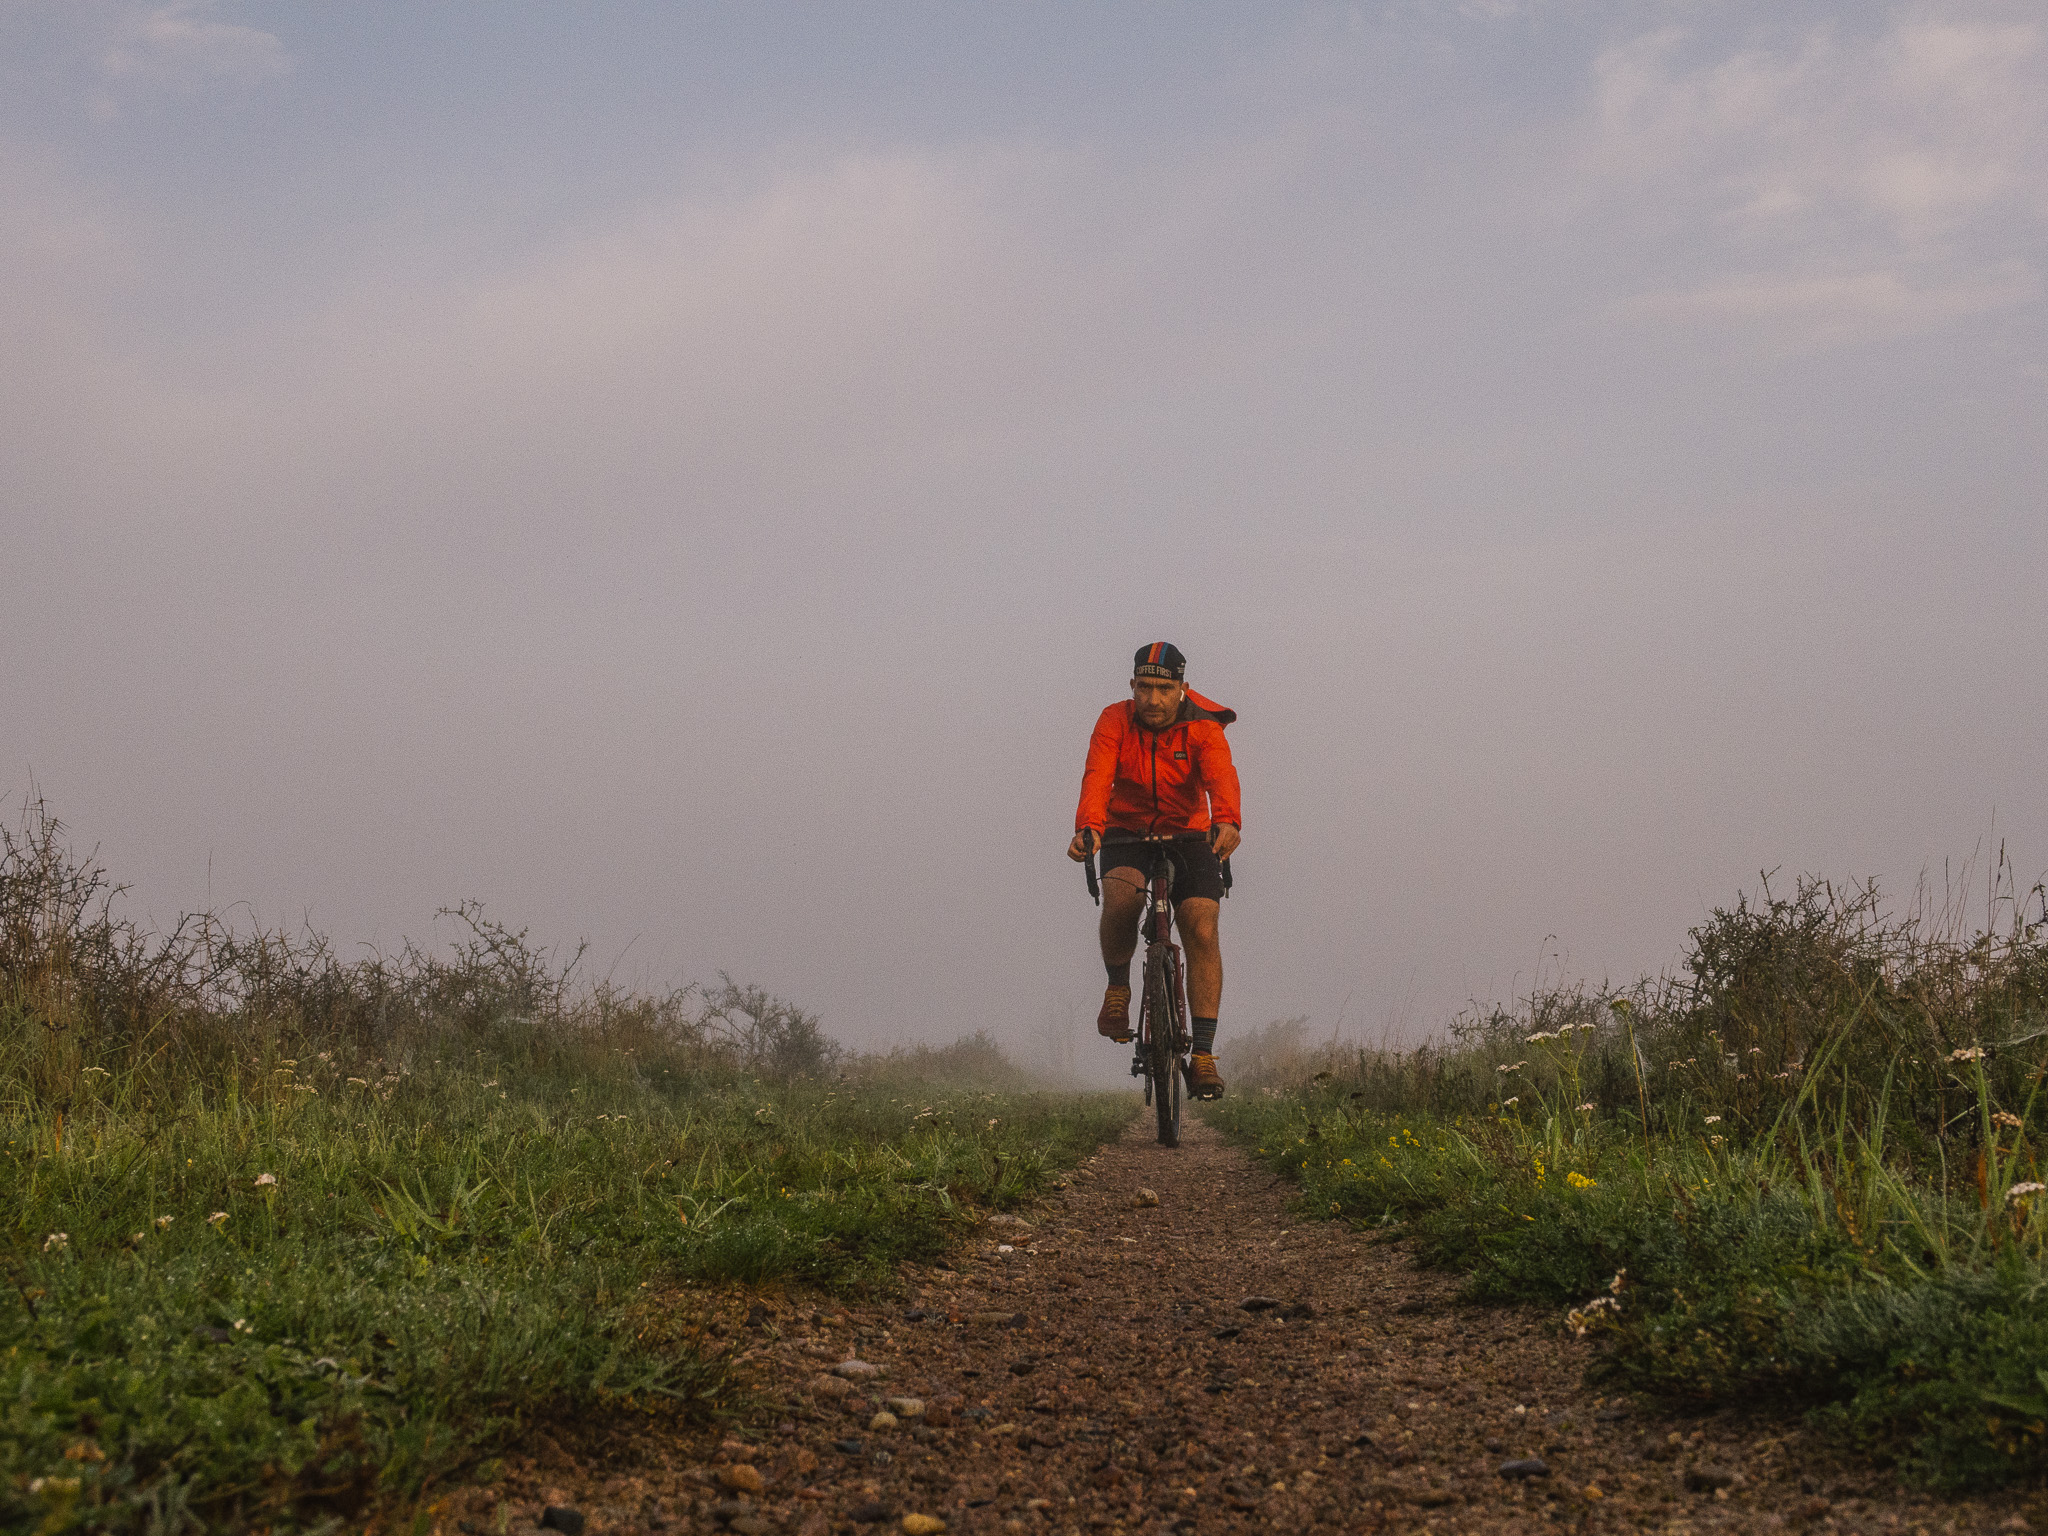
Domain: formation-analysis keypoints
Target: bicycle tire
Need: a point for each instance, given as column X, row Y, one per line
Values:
column 1160, row 1017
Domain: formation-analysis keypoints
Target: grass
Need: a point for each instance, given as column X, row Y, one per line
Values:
column 1806, row 1172
column 286, row 1238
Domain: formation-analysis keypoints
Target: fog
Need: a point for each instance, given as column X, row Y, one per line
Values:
column 690, row 478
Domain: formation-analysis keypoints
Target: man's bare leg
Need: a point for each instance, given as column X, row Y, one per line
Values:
column 1123, row 904
column 1197, row 919
column 1197, row 916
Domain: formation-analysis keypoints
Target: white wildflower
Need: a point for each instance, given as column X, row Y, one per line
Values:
column 266, row 1181
column 57, row 1240
column 2024, row 1191
column 217, row 1219
column 164, row 1221
column 1587, row 1109
column 1967, row 1053
column 2007, row 1119
column 1713, row 1119
column 1579, row 1319
column 1512, row 1066
column 1511, row 1103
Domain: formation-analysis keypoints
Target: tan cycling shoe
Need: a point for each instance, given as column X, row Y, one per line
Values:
column 1114, row 1022
column 1204, row 1081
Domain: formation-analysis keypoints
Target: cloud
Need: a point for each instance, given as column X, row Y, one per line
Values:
column 184, row 45
column 1841, row 307
column 1849, row 184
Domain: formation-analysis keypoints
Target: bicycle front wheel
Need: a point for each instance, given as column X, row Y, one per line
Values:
column 1162, row 1013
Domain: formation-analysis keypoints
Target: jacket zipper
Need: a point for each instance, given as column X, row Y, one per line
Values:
column 1152, row 827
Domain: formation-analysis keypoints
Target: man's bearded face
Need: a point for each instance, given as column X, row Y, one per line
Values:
column 1157, row 701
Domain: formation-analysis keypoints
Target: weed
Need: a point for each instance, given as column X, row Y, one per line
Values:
column 1806, row 1171
column 286, row 1236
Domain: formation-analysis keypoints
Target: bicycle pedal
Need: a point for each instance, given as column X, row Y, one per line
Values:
column 1137, row 1066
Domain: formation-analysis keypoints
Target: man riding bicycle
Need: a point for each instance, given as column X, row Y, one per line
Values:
column 1158, row 767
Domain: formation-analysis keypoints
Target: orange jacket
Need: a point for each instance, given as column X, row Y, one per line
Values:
column 1159, row 782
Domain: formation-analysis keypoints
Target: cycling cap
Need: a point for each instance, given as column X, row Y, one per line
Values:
column 1160, row 660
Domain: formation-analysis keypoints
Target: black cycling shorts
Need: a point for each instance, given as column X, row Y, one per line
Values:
column 1196, row 869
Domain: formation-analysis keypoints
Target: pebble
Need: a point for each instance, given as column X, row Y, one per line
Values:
column 749, row 1525
column 558, row 1517
column 725, row 1511
column 923, row 1525
column 1144, row 1199
column 831, row 1386
column 1529, row 1467
column 869, row 1513
column 848, row 1447
column 737, row 1450
column 856, row 1370
column 996, row 1319
column 741, row 1478
column 1707, row 1479
column 905, row 1407
column 1260, row 1303
column 883, row 1420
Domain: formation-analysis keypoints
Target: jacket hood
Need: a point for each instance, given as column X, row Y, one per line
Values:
column 1195, row 707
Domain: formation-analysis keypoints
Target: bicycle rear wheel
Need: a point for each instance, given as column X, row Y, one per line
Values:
column 1162, row 1015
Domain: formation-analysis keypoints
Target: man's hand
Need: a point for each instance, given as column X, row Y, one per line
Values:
column 1079, row 848
column 1224, row 838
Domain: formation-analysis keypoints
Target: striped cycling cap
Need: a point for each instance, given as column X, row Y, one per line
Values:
column 1160, row 660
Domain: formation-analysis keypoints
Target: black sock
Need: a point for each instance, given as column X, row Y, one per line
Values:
column 1205, row 1037
column 1119, row 975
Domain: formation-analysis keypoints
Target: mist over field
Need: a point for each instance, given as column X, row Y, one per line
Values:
column 689, row 478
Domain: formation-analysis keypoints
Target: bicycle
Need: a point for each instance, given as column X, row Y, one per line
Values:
column 1163, row 1040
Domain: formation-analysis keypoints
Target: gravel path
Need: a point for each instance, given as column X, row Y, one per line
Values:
column 1200, row 1364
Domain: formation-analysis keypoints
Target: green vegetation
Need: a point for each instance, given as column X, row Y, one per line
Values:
column 1805, row 1171
column 286, row 1235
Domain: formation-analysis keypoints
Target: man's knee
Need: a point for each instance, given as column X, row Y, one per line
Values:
column 1197, row 920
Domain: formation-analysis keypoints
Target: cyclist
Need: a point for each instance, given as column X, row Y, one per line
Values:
column 1158, row 766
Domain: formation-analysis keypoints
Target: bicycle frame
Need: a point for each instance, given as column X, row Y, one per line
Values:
column 1163, row 1040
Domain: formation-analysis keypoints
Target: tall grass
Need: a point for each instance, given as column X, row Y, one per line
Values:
column 285, row 1235
column 1807, row 1168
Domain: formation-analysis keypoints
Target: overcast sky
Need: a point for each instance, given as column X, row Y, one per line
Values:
column 690, row 475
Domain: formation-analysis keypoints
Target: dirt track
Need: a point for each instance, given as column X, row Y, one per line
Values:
column 1097, row 1371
